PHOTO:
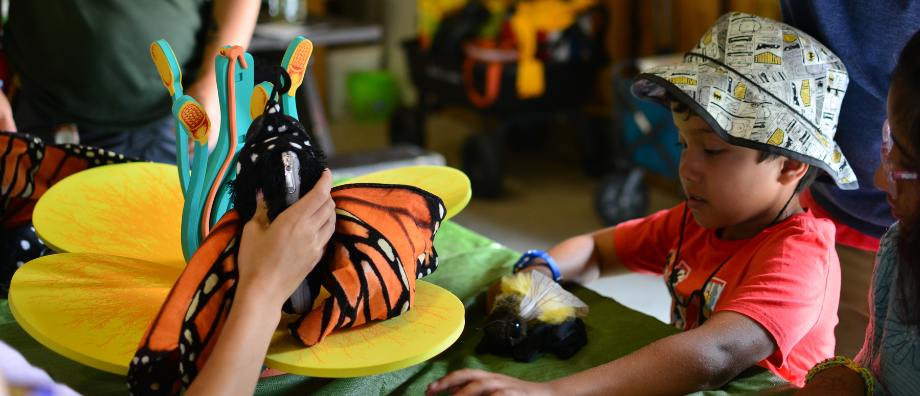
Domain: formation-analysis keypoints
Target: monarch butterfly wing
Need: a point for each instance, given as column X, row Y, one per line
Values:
column 398, row 211
column 29, row 167
column 181, row 337
column 383, row 233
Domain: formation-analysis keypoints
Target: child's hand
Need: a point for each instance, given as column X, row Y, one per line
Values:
column 469, row 382
column 275, row 258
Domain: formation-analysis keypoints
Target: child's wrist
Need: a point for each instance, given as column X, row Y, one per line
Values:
column 537, row 258
column 840, row 361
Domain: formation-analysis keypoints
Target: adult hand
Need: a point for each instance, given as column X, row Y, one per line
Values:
column 6, row 115
column 204, row 90
column 469, row 382
column 274, row 258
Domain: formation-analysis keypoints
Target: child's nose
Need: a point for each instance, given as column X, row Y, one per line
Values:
column 689, row 170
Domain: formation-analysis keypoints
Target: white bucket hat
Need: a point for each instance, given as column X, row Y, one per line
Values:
column 764, row 85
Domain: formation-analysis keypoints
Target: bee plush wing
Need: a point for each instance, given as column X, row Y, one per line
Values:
column 181, row 337
column 382, row 243
column 545, row 294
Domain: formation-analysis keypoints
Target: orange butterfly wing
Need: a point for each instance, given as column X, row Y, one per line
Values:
column 28, row 168
column 181, row 337
column 383, row 242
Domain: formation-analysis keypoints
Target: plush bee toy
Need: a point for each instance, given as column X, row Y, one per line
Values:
column 534, row 314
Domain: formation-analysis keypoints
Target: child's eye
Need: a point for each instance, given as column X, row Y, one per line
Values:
column 712, row 152
column 681, row 145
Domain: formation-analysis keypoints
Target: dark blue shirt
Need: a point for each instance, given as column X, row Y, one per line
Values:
column 868, row 36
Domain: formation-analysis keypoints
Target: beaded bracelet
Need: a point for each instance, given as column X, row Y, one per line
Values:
column 531, row 255
column 835, row 361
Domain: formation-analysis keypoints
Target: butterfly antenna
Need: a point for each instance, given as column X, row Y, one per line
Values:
column 487, row 324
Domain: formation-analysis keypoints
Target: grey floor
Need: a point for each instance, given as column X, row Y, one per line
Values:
column 547, row 197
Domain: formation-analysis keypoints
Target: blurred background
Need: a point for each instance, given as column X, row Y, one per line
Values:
column 398, row 82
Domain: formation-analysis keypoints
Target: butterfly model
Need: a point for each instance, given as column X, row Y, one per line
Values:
column 534, row 314
column 28, row 168
column 383, row 242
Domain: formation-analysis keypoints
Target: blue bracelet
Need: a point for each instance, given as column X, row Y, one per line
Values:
column 532, row 254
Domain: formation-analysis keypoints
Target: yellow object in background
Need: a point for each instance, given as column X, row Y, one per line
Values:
column 430, row 14
column 535, row 16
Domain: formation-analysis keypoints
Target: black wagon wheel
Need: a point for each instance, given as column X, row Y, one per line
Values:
column 407, row 126
column 482, row 163
column 622, row 196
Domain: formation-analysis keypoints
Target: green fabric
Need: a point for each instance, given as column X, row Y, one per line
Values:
column 88, row 61
column 468, row 264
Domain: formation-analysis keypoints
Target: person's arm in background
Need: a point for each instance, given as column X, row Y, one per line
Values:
column 835, row 381
column 704, row 358
column 581, row 260
column 231, row 23
column 273, row 261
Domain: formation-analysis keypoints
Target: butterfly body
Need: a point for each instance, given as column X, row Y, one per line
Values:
column 383, row 242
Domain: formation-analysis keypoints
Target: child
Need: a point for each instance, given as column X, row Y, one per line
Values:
column 754, row 277
column 891, row 352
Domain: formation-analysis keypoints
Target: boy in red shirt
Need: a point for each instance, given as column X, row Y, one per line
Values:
column 754, row 277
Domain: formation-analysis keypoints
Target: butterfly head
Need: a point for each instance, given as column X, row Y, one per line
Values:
column 279, row 159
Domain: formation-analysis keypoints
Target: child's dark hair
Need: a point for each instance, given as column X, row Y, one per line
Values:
column 905, row 77
column 810, row 175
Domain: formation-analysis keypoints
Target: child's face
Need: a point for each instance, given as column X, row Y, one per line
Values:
column 727, row 186
column 906, row 205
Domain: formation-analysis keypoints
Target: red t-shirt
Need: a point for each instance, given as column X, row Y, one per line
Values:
column 787, row 278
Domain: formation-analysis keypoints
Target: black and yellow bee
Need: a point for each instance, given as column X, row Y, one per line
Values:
column 534, row 314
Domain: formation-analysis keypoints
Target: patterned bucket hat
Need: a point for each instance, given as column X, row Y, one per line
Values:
column 764, row 85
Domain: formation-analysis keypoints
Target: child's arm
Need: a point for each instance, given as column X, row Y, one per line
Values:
column 701, row 359
column 581, row 259
column 835, row 381
column 273, row 260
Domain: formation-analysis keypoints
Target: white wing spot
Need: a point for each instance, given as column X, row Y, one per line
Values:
column 188, row 336
column 271, row 138
column 405, row 308
column 238, row 167
column 210, row 283
column 270, row 128
column 25, row 244
column 441, row 209
column 271, row 147
column 191, row 308
column 295, row 145
column 254, row 157
column 282, row 128
column 385, row 246
column 402, row 274
column 145, row 359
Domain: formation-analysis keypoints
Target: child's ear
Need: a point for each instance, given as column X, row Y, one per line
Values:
column 792, row 171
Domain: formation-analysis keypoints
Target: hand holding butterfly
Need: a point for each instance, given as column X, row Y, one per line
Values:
column 273, row 260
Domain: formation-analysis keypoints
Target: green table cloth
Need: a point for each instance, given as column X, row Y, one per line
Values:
column 468, row 264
